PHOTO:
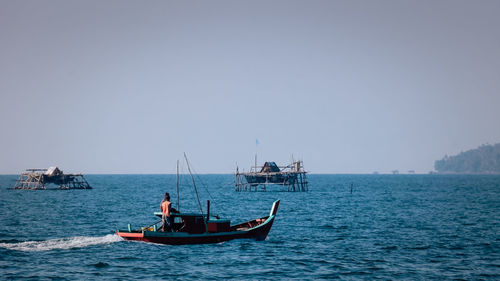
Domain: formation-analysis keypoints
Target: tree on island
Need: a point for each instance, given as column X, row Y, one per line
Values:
column 483, row 160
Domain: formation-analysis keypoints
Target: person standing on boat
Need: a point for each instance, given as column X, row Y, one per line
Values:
column 166, row 209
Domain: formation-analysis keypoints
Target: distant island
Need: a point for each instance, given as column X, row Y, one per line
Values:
column 483, row 160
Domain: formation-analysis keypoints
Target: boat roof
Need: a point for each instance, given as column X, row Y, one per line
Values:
column 159, row 214
column 53, row 171
column 270, row 167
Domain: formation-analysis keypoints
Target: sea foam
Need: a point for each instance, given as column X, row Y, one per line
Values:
column 62, row 243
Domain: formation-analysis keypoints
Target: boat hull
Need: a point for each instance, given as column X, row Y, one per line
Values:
column 258, row 233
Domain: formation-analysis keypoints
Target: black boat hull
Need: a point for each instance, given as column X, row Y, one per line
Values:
column 257, row 229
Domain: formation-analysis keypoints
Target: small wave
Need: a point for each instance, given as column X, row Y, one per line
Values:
column 128, row 258
column 61, row 243
column 101, row 264
column 425, row 247
column 390, row 248
column 327, row 226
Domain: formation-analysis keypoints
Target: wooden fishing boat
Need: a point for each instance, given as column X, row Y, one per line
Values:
column 200, row 229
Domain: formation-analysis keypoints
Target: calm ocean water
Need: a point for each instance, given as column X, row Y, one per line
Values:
column 391, row 227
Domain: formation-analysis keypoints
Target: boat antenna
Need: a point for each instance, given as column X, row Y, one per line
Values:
column 178, row 201
column 255, row 162
column 194, row 184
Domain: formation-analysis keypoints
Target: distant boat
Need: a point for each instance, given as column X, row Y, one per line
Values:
column 36, row 179
column 200, row 229
column 292, row 177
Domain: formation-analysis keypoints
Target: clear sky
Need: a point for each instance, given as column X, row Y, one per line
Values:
column 347, row 86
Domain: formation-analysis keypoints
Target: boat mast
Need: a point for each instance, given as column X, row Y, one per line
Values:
column 194, row 184
column 255, row 162
column 178, row 209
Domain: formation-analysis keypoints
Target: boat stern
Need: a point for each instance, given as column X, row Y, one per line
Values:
column 130, row 235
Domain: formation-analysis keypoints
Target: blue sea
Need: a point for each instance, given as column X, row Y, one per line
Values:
column 415, row 227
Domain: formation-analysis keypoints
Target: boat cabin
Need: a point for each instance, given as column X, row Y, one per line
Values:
column 270, row 167
column 197, row 223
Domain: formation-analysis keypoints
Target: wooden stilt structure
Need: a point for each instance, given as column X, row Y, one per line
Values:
column 34, row 179
column 290, row 178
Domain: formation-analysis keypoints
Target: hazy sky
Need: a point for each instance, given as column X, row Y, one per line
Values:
column 347, row 86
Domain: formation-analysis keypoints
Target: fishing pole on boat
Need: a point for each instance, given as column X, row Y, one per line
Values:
column 198, row 178
column 204, row 185
column 178, row 201
column 194, row 183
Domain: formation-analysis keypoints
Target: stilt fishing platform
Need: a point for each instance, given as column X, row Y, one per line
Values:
column 290, row 178
column 34, row 179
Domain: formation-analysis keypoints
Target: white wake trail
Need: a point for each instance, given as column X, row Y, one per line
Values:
column 62, row 243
